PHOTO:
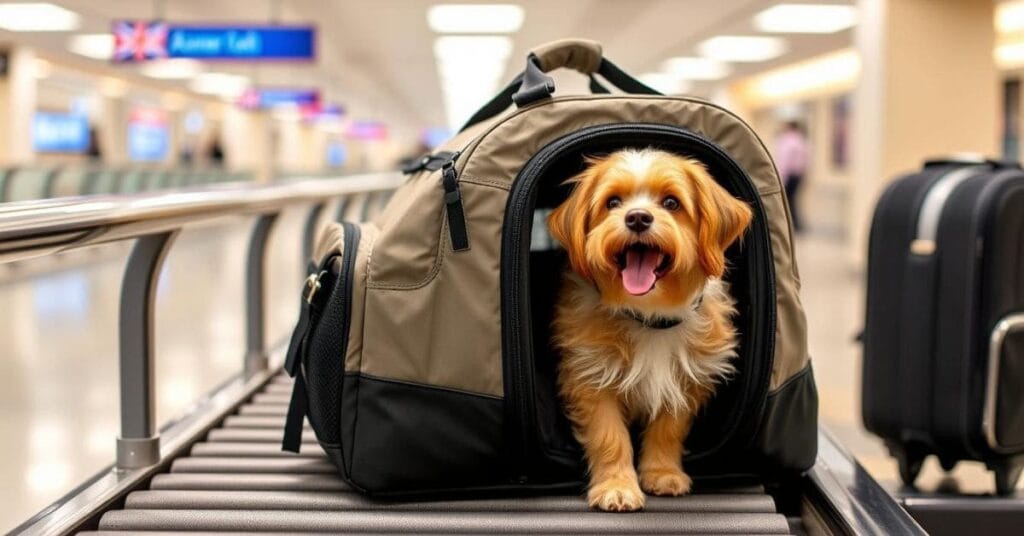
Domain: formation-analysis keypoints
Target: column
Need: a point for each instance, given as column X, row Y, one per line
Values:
column 929, row 87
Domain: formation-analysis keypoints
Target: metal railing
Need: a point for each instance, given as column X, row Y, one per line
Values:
column 24, row 183
column 39, row 228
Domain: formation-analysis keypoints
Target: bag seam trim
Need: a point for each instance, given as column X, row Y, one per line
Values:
column 409, row 383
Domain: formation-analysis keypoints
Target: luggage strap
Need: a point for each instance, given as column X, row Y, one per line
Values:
column 299, row 402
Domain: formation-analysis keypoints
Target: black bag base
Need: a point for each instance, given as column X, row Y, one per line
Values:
column 910, row 458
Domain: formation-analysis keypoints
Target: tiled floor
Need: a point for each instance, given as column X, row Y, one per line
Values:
column 58, row 385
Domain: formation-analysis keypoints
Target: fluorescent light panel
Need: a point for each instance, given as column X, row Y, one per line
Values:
column 806, row 18
column 96, row 46
column 220, row 84
column 696, row 68
column 475, row 18
column 1010, row 17
column 666, row 83
column 742, row 48
column 1010, row 55
column 37, row 17
column 470, row 69
column 171, row 69
column 837, row 69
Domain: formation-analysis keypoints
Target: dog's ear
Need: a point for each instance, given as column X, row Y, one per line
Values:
column 570, row 221
column 722, row 219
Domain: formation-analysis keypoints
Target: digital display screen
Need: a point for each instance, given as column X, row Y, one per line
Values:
column 60, row 133
column 149, row 137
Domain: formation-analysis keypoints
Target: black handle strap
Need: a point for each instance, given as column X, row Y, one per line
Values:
column 533, row 85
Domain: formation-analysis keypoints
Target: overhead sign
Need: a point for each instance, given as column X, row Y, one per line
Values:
column 367, row 130
column 260, row 98
column 150, row 40
column 60, row 133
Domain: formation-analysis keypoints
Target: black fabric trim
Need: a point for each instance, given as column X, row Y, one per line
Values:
column 788, row 435
column 596, row 87
column 422, row 385
column 297, row 406
column 536, row 85
column 407, row 438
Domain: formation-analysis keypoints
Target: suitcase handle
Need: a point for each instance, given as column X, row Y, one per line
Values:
column 533, row 84
column 970, row 159
column 1006, row 325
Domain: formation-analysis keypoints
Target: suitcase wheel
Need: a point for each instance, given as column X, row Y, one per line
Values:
column 1007, row 473
column 910, row 458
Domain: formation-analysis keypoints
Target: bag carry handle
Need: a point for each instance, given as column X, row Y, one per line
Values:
column 533, row 84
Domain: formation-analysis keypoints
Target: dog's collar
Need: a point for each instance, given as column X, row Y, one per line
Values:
column 661, row 322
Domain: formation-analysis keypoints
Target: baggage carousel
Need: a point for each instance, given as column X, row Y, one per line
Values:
column 219, row 467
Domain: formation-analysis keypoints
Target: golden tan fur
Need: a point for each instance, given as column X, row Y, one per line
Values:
column 614, row 370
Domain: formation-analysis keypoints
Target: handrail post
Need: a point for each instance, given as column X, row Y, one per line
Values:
column 309, row 231
column 139, row 443
column 256, row 296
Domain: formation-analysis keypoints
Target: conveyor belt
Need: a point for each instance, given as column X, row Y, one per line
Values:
column 238, row 480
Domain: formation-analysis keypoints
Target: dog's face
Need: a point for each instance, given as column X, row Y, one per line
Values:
column 648, row 227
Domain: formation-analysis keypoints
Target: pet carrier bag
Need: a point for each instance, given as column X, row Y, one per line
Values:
column 422, row 356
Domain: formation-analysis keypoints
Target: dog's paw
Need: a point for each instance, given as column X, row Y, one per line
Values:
column 672, row 482
column 616, row 495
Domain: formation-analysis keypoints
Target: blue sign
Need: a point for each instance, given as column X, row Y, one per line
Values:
column 148, row 142
column 279, row 96
column 148, row 40
column 60, row 133
column 337, row 155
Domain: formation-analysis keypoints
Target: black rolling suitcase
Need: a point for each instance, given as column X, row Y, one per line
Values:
column 944, row 331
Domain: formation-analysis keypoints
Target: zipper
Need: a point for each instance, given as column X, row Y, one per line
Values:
column 516, row 336
column 457, row 230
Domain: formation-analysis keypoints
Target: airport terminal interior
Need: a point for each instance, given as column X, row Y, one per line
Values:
column 204, row 116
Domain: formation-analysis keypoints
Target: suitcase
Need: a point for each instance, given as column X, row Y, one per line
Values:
column 944, row 330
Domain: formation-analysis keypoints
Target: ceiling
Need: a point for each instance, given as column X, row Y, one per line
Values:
column 376, row 58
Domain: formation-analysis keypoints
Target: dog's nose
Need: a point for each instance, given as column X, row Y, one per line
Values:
column 639, row 220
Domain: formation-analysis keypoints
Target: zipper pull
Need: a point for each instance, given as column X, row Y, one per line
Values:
column 453, row 204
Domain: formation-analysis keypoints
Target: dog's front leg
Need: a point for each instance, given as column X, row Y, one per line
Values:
column 661, row 455
column 602, row 431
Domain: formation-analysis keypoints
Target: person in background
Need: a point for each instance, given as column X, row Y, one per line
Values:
column 791, row 155
column 93, row 150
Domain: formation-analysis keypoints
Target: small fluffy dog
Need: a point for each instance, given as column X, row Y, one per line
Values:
column 643, row 317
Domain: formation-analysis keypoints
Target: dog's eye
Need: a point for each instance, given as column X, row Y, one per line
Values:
column 613, row 202
column 670, row 203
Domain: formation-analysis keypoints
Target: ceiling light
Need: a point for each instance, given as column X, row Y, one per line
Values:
column 1010, row 55
column 37, row 17
column 742, row 48
column 479, row 18
column 220, row 84
column 470, row 69
column 806, row 18
column 833, row 72
column 1010, row 17
column 96, row 46
column 485, row 48
column 173, row 69
column 666, row 83
column 696, row 68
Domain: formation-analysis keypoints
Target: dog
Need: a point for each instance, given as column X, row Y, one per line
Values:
column 643, row 318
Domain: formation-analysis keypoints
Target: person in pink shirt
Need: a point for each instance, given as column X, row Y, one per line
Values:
column 791, row 155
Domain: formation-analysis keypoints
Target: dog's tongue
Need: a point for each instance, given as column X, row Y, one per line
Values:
column 638, row 276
